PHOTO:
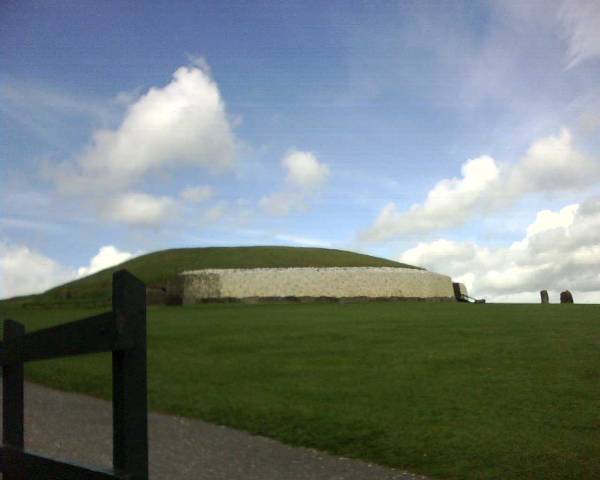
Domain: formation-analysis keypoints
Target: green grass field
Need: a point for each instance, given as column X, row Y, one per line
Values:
column 449, row 390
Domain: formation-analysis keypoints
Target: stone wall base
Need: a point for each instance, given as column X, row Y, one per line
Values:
column 342, row 300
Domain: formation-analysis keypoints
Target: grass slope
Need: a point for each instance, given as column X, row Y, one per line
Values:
column 159, row 267
column 451, row 390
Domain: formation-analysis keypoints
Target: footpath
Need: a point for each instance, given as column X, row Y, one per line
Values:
column 78, row 428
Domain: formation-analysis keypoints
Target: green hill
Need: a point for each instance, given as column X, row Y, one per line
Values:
column 159, row 267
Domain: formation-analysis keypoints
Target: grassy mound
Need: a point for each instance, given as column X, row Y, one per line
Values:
column 159, row 267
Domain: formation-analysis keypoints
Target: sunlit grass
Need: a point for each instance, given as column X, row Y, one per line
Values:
column 450, row 390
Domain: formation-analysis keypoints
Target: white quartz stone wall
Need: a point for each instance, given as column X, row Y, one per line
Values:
column 350, row 282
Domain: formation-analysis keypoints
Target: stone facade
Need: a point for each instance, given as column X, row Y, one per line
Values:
column 313, row 284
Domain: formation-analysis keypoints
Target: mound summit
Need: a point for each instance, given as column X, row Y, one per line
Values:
column 159, row 268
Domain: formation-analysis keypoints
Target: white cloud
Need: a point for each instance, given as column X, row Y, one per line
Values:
column 127, row 98
column 216, row 212
column 590, row 121
column 139, row 209
column 581, row 18
column 550, row 164
column 283, row 203
column 30, row 97
column 304, row 170
column 449, row 203
column 34, row 225
column 197, row 194
column 199, row 61
column 24, row 271
column 549, row 220
column 561, row 250
column 301, row 240
column 107, row 256
column 305, row 176
column 182, row 123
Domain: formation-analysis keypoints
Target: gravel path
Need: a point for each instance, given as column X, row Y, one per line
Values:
column 74, row 427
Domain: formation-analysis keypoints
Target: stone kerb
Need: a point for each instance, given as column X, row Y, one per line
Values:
column 271, row 284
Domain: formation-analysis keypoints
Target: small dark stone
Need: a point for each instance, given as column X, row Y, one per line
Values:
column 174, row 292
column 566, row 297
column 544, row 296
column 156, row 295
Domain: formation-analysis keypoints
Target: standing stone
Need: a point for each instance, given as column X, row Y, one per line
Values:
column 544, row 295
column 566, row 297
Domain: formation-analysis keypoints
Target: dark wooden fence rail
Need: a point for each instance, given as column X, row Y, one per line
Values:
column 121, row 331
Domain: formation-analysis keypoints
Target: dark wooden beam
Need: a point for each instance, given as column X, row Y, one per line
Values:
column 12, row 398
column 122, row 331
column 20, row 465
column 98, row 333
column 130, row 403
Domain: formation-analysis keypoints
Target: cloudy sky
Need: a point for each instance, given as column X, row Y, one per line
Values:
column 459, row 136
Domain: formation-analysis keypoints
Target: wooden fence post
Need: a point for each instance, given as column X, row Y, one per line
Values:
column 130, row 403
column 13, row 396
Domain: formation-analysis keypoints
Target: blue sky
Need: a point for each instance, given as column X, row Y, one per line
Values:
column 460, row 136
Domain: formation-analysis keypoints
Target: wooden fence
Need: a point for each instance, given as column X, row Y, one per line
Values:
column 121, row 331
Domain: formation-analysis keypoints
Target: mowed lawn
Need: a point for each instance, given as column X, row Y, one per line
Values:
column 448, row 390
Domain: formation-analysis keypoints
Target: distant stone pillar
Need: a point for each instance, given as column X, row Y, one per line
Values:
column 544, row 296
column 566, row 297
